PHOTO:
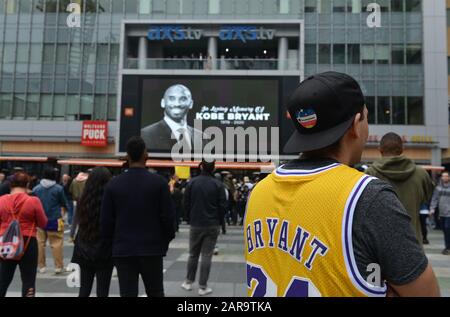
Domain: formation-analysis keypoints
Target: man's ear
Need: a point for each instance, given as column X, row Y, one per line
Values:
column 163, row 103
column 191, row 105
column 355, row 128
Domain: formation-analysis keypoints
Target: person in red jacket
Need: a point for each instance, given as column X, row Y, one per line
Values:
column 31, row 215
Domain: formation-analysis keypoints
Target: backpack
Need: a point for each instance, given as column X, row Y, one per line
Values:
column 12, row 245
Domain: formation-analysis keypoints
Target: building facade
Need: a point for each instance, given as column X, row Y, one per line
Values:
column 54, row 76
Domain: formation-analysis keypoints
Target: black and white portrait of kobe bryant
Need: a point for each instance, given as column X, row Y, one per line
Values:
column 173, row 128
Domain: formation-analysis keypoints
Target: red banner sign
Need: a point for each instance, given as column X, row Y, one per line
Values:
column 95, row 133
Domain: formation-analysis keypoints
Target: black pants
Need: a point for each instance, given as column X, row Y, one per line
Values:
column 103, row 275
column 149, row 268
column 423, row 225
column 28, row 270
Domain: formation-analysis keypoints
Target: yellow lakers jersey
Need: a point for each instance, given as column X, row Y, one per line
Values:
column 298, row 233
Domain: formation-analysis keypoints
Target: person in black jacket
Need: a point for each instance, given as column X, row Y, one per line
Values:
column 205, row 203
column 90, row 252
column 138, row 221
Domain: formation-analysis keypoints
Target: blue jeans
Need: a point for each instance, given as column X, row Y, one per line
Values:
column 445, row 222
column 70, row 212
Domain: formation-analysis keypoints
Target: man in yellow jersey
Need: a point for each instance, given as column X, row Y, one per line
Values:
column 316, row 226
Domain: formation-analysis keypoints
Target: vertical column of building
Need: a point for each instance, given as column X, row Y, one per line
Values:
column 212, row 53
column 282, row 53
column 142, row 53
column 435, row 59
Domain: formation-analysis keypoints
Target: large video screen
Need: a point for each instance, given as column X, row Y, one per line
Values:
column 230, row 115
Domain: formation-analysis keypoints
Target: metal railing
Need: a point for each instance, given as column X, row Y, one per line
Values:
column 219, row 64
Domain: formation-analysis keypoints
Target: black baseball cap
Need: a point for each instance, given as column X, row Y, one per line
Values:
column 322, row 109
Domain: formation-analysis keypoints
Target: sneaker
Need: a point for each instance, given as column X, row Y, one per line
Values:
column 446, row 252
column 186, row 286
column 216, row 251
column 58, row 271
column 204, row 291
column 42, row 270
column 426, row 242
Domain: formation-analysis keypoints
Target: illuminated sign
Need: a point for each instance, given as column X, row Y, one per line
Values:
column 245, row 33
column 174, row 33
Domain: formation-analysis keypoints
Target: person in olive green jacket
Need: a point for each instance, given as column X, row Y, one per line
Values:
column 412, row 183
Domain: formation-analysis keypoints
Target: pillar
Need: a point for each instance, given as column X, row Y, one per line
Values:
column 282, row 53
column 212, row 51
column 142, row 53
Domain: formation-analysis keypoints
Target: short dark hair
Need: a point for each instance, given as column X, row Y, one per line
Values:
column 20, row 180
column 50, row 174
column 208, row 167
column 391, row 144
column 136, row 148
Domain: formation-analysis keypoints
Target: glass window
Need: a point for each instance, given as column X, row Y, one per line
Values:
column 100, row 107
column 19, row 106
column 61, row 54
column 398, row 110
column 324, row 54
column 384, row 110
column 339, row 6
column 9, row 54
column 398, row 55
column 87, row 106
column 11, row 6
column 283, row 6
column 353, row 54
column 339, row 54
column 22, row 53
column 25, row 6
column 59, row 108
column 112, row 106
column 49, row 54
column 32, row 110
column 413, row 5
column 448, row 65
column 311, row 54
column 73, row 103
column 46, row 106
column 397, row 5
column 117, row 6
column 104, row 6
column 414, row 54
column 131, row 6
column 354, row 6
column 145, row 6
column 310, row 6
column 415, row 111
column 367, row 54
column 158, row 6
column 324, row 6
column 214, row 6
column 382, row 54
column 448, row 17
column 370, row 104
column 5, row 105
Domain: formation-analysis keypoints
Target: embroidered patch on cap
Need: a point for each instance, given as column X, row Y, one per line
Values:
column 307, row 118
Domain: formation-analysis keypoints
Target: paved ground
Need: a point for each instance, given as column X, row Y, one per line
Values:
column 227, row 274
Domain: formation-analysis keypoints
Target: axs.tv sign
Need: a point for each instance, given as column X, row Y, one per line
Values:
column 242, row 33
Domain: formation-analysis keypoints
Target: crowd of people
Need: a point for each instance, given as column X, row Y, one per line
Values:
column 125, row 222
column 354, row 218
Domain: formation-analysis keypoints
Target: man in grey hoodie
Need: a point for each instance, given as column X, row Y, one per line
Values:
column 412, row 184
column 441, row 199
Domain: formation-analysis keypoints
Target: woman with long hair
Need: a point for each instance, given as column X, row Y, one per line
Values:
column 28, row 211
column 90, row 251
